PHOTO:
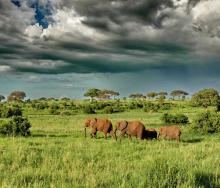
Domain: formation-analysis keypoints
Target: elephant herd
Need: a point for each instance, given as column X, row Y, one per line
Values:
column 131, row 129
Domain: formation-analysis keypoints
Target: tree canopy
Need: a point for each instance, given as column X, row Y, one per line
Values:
column 178, row 93
column 136, row 95
column 151, row 94
column 16, row 96
column 206, row 97
column 101, row 94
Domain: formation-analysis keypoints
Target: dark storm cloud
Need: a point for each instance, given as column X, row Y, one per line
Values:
column 92, row 36
column 119, row 12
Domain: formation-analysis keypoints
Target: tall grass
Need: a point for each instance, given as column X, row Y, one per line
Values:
column 57, row 155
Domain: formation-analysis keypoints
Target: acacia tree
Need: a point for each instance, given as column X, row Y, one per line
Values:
column 16, row 96
column 92, row 93
column 151, row 95
column 136, row 96
column 178, row 93
column 114, row 93
column 2, row 98
column 206, row 97
column 162, row 93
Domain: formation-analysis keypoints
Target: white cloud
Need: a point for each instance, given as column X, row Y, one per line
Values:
column 68, row 25
column 5, row 68
column 34, row 31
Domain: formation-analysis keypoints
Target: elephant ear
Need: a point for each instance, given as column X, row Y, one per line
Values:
column 122, row 125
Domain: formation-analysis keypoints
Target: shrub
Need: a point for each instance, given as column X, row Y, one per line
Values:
column 54, row 112
column 177, row 118
column 87, row 109
column 205, row 98
column 207, row 122
column 17, row 126
column 108, row 110
column 135, row 105
column 151, row 107
column 7, row 112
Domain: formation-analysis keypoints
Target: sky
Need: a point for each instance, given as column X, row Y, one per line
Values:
column 61, row 48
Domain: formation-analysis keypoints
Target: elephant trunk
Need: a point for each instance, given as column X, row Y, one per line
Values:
column 85, row 131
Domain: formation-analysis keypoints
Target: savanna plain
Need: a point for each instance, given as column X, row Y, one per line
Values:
column 58, row 155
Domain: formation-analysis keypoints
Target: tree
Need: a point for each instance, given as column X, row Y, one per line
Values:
column 178, row 93
column 136, row 96
column 93, row 93
column 163, row 93
column 2, row 98
column 16, row 96
column 151, row 94
column 114, row 93
column 206, row 97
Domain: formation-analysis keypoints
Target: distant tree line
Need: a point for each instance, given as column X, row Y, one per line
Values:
column 180, row 94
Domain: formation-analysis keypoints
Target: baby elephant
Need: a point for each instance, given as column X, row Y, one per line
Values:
column 102, row 125
column 170, row 132
column 150, row 134
column 131, row 128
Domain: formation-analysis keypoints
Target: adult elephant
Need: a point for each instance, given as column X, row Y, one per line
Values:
column 102, row 125
column 150, row 134
column 131, row 128
column 170, row 132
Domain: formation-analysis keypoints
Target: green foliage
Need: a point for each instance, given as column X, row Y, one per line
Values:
column 179, row 93
column 151, row 107
column 17, row 126
column 88, row 109
column 6, row 112
column 207, row 122
column 205, row 98
column 108, row 110
column 151, row 94
column 54, row 111
column 155, row 107
column 177, row 118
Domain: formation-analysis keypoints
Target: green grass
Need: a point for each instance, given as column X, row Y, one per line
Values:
column 57, row 155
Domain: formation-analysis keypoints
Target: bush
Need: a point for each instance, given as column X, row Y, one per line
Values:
column 87, row 109
column 108, row 110
column 54, row 112
column 178, row 118
column 136, row 105
column 205, row 98
column 149, row 107
column 207, row 122
column 17, row 126
column 7, row 112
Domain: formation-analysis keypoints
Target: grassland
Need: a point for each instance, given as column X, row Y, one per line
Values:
column 57, row 155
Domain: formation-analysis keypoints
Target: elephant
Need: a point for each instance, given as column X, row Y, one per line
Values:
column 131, row 128
column 150, row 134
column 170, row 132
column 102, row 125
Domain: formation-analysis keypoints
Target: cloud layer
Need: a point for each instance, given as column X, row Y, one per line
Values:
column 81, row 36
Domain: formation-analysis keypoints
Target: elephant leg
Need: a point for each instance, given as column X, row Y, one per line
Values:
column 122, row 135
column 93, row 133
column 105, row 135
column 113, row 135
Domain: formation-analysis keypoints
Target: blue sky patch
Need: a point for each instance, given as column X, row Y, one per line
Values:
column 42, row 13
